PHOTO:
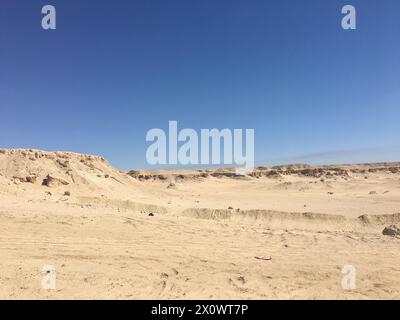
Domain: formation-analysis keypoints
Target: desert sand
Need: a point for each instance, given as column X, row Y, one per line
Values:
column 195, row 234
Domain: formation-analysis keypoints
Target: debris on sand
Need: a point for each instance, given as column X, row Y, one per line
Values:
column 266, row 258
column 151, row 214
column 171, row 186
column 391, row 231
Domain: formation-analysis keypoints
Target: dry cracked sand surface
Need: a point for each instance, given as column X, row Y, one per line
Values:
column 195, row 234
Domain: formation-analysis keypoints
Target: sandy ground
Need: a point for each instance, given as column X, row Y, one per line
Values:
column 195, row 234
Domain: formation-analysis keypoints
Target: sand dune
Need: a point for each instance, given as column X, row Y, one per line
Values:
column 195, row 233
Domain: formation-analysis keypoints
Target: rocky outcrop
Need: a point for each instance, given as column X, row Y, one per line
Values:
column 391, row 231
column 51, row 182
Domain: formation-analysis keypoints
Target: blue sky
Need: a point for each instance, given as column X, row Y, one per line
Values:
column 112, row 70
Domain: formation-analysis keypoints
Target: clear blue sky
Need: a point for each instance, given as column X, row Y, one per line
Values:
column 112, row 70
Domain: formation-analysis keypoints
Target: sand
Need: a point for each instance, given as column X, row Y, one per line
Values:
column 195, row 234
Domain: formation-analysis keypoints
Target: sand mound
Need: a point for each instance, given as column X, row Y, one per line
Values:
column 70, row 177
column 58, row 169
